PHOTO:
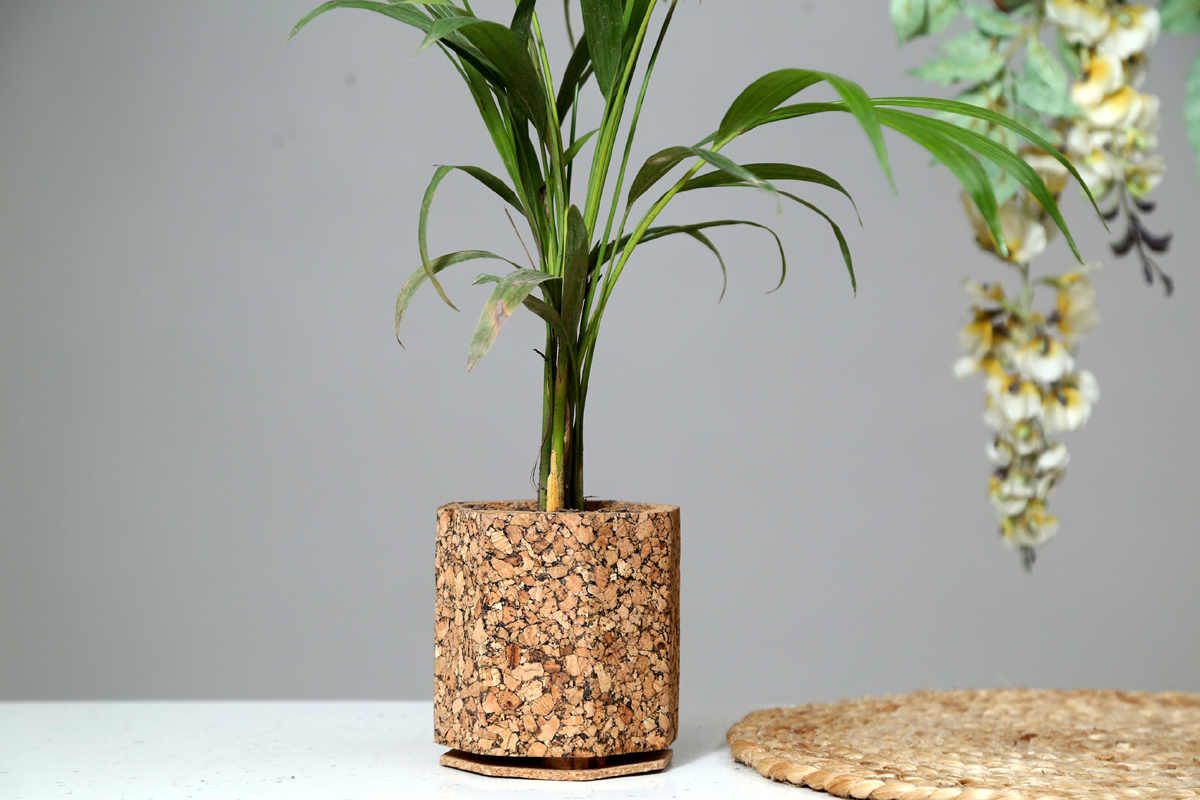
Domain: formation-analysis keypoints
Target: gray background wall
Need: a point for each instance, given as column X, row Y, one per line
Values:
column 218, row 471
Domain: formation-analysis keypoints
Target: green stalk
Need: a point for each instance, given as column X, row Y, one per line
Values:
column 574, row 121
column 614, row 273
column 637, row 113
column 577, row 495
column 640, row 231
column 555, row 484
column 555, row 479
column 593, row 282
column 560, row 205
column 565, row 480
column 547, row 422
column 588, row 347
column 608, row 132
column 524, row 184
column 586, row 371
column 552, row 236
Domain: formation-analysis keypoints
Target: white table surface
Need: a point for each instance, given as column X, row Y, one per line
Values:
column 317, row 750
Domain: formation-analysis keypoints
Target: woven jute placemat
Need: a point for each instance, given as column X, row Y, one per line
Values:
column 1015, row 744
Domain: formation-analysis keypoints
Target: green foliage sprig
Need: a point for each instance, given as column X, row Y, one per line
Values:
column 1183, row 16
column 986, row 52
column 583, row 248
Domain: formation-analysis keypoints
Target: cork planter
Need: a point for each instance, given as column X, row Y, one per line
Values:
column 557, row 638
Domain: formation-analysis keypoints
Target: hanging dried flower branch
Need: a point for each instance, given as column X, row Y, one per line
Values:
column 1086, row 102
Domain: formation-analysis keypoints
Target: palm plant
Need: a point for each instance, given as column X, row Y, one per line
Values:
column 581, row 252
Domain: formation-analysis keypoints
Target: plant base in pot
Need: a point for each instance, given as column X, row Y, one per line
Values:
column 557, row 638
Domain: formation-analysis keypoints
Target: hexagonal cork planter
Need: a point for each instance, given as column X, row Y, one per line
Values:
column 557, row 638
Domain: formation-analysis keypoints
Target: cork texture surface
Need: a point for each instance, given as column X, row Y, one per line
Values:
column 529, row 769
column 556, row 634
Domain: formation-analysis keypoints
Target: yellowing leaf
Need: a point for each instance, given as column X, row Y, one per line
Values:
column 510, row 292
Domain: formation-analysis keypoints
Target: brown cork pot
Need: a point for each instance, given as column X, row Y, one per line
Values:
column 556, row 634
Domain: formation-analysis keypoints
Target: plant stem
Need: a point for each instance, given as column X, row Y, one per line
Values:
column 614, row 273
column 555, row 484
column 547, row 422
column 576, row 473
column 561, row 467
column 637, row 113
column 1025, row 299
column 556, row 176
column 587, row 348
column 613, row 112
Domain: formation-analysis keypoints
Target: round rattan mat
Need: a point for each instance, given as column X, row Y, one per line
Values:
column 1014, row 744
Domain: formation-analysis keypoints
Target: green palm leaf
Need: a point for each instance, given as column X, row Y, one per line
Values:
column 575, row 270
column 442, row 28
column 863, row 110
column 758, row 100
column 554, row 320
column 402, row 12
column 574, row 77
column 409, row 16
column 965, row 167
column 483, row 176
column 522, row 19
column 771, row 172
column 732, row 169
column 518, row 77
column 692, row 230
column 656, row 167
column 761, row 98
column 574, row 149
column 935, row 135
column 1001, row 156
column 604, row 27
column 837, row 233
column 968, row 110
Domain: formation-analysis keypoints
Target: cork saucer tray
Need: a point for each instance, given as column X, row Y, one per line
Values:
column 557, row 635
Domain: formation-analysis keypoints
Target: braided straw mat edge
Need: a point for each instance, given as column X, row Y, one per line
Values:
column 997, row 744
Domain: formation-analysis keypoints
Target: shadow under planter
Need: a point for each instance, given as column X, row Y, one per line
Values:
column 557, row 636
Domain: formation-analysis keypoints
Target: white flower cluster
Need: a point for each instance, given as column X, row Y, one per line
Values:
column 1033, row 394
column 1111, row 144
